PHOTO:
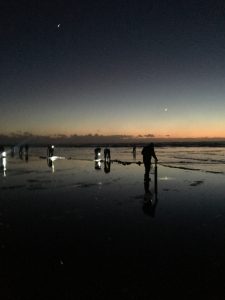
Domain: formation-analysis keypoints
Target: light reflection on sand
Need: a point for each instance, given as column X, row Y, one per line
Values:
column 56, row 222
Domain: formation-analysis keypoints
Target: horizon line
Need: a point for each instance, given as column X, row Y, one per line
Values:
column 96, row 135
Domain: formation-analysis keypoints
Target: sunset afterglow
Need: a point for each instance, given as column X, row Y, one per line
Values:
column 142, row 70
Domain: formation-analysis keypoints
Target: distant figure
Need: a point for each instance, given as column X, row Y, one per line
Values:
column 21, row 152
column 13, row 150
column 148, row 152
column 2, row 149
column 134, row 152
column 3, row 160
column 107, row 165
column 107, row 155
column 26, row 152
column 50, row 150
column 97, row 153
column 26, row 149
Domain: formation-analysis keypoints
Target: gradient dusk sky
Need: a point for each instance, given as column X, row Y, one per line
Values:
column 113, row 67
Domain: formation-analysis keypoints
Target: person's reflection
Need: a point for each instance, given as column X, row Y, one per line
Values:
column 98, row 165
column 150, row 197
column 107, row 155
column 107, row 165
column 51, row 164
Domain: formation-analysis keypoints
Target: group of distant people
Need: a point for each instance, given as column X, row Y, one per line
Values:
column 107, row 159
column 148, row 153
column 107, row 154
column 23, row 151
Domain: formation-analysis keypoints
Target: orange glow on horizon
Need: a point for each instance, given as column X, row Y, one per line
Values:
column 172, row 131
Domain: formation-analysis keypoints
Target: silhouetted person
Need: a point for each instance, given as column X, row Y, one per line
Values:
column 107, row 165
column 50, row 150
column 148, row 152
column 26, row 149
column 107, row 155
column 97, row 153
column 26, row 152
column 26, row 157
column 2, row 149
column 13, row 150
column 3, row 160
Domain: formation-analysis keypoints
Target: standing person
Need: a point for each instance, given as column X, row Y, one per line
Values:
column 13, row 150
column 134, row 151
column 2, row 149
column 50, row 150
column 107, row 155
column 21, row 152
column 97, row 153
column 26, row 152
column 148, row 152
column 26, row 149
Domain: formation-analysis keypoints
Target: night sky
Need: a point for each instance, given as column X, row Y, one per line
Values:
column 113, row 67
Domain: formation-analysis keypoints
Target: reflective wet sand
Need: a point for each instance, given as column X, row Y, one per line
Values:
column 72, row 230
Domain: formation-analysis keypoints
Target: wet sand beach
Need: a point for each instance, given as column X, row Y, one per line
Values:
column 80, row 232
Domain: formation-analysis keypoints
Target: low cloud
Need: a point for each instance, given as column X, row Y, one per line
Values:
column 16, row 138
column 19, row 138
column 150, row 135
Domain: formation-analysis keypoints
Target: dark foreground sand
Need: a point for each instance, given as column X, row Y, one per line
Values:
column 84, row 234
